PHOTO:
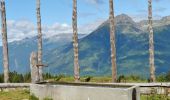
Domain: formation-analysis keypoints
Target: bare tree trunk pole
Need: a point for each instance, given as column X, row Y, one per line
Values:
column 39, row 40
column 112, row 42
column 151, row 43
column 5, row 42
column 75, row 42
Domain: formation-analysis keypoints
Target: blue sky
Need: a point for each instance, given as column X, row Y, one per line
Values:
column 88, row 10
column 56, row 15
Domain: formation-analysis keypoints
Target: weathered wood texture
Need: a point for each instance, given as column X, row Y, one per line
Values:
column 151, row 43
column 4, row 42
column 34, row 68
column 75, row 42
column 112, row 42
column 14, row 85
column 39, row 40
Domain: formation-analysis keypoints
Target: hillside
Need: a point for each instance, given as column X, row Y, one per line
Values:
column 132, row 51
column 131, row 44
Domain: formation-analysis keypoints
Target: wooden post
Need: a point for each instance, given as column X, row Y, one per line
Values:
column 34, row 68
column 39, row 40
column 112, row 42
column 75, row 42
column 4, row 42
column 151, row 43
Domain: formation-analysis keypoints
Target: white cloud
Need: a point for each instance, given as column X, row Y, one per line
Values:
column 88, row 28
column 20, row 29
column 139, row 17
column 56, row 28
column 95, row 2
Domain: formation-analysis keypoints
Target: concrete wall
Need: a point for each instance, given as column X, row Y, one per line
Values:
column 68, row 92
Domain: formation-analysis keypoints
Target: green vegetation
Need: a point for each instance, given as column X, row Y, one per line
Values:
column 108, row 79
column 14, row 94
column 154, row 97
column 32, row 97
column 18, row 94
column 164, row 77
column 47, row 99
column 25, row 78
column 17, row 77
column 130, row 79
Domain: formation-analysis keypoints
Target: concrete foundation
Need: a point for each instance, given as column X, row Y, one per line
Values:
column 84, row 92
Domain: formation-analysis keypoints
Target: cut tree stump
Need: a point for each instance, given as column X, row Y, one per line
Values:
column 34, row 68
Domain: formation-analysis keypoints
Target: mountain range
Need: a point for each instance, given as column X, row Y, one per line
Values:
column 94, row 50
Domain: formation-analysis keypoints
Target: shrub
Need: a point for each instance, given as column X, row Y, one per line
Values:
column 33, row 97
column 47, row 98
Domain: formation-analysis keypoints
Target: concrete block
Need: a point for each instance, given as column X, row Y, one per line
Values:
column 71, row 92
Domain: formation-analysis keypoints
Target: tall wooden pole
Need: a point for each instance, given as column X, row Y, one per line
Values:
column 151, row 43
column 112, row 42
column 39, row 40
column 4, row 42
column 75, row 42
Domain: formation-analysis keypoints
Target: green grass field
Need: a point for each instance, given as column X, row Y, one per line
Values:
column 154, row 97
column 17, row 94
column 105, row 79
